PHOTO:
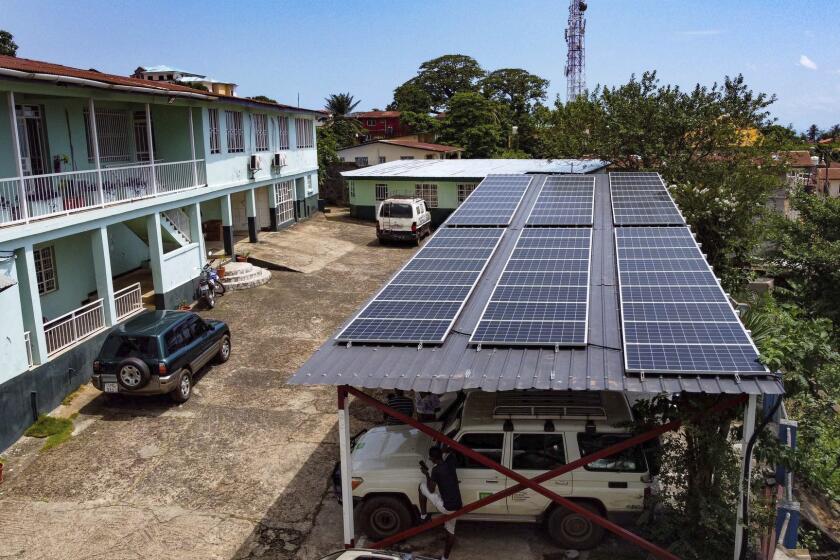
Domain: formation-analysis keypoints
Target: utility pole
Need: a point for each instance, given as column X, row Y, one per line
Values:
column 576, row 57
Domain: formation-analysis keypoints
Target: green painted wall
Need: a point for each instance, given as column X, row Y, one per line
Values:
column 363, row 193
column 127, row 251
column 171, row 128
column 7, row 160
column 12, row 345
column 211, row 210
column 74, row 265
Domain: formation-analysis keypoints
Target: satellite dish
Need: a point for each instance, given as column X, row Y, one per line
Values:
column 582, row 6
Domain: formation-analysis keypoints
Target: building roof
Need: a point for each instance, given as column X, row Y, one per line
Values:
column 456, row 364
column 797, row 158
column 189, row 79
column 833, row 173
column 36, row 70
column 472, row 168
column 164, row 68
column 375, row 114
column 429, row 147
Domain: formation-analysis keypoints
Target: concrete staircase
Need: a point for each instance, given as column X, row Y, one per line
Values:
column 243, row 275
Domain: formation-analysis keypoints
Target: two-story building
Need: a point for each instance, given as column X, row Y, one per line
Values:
column 380, row 124
column 108, row 187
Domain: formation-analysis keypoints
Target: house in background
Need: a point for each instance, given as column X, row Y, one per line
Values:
column 189, row 79
column 395, row 149
column 110, row 190
column 805, row 172
column 380, row 124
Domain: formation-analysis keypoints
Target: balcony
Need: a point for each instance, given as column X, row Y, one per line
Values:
column 33, row 197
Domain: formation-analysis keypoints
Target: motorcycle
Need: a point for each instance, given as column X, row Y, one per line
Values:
column 209, row 285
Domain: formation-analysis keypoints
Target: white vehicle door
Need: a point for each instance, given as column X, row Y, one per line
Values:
column 476, row 480
column 533, row 454
column 401, row 215
column 385, row 216
column 618, row 481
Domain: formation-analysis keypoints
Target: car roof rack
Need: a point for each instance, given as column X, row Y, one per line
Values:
column 577, row 405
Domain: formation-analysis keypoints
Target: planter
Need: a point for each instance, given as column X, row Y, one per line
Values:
column 184, row 308
column 241, row 258
column 221, row 272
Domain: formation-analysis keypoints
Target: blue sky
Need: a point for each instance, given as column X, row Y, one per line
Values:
column 315, row 48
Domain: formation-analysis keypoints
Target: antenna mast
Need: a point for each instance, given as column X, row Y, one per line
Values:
column 575, row 60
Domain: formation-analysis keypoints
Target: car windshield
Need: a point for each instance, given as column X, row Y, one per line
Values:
column 127, row 346
column 400, row 210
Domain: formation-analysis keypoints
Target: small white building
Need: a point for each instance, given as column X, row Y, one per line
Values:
column 395, row 149
column 163, row 73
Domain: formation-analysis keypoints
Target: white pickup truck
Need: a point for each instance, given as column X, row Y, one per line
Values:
column 530, row 432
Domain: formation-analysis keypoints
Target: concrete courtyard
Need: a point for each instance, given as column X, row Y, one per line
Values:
column 242, row 470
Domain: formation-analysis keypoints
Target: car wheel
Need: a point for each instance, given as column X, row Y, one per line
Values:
column 573, row 530
column 133, row 374
column 183, row 389
column 383, row 516
column 224, row 350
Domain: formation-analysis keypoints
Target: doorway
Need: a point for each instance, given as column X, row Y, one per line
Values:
column 33, row 140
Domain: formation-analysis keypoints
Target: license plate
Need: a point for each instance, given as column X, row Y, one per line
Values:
column 111, row 388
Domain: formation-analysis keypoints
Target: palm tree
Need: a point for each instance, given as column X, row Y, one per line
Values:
column 344, row 127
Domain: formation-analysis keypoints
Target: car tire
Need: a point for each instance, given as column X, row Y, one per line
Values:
column 133, row 374
column 223, row 355
column 383, row 516
column 572, row 530
column 183, row 387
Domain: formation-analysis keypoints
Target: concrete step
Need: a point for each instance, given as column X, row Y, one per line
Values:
column 240, row 276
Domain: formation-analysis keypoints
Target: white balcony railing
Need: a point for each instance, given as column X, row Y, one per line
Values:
column 58, row 194
column 28, row 341
column 128, row 301
column 67, row 330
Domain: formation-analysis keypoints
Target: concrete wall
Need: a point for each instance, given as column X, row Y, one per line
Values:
column 76, row 279
column 390, row 152
column 127, row 251
column 12, row 346
column 180, row 266
column 363, row 201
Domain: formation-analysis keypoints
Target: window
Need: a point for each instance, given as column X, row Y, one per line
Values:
column 430, row 156
column 464, row 190
column 406, row 157
column 235, row 134
column 45, row 270
column 541, row 452
column 114, row 133
column 215, row 137
column 304, row 135
column 362, row 161
column 183, row 334
column 261, row 133
column 352, row 189
column 381, row 192
column 284, row 133
column 371, row 122
column 141, row 136
column 123, row 346
column 489, row 445
column 381, row 159
column 629, row 460
column 285, row 203
column 395, row 210
column 428, row 192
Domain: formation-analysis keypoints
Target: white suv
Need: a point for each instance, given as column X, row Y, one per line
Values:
column 530, row 432
column 403, row 219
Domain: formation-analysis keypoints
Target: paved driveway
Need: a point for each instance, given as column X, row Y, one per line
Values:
column 241, row 470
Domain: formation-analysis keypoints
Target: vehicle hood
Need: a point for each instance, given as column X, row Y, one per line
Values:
column 391, row 447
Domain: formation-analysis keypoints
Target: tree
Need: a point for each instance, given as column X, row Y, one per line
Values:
column 472, row 123
column 443, row 77
column 327, row 152
column 812, row 133
column 344, row 128
column 517, row 88
column 420, row 122
column 8, row 47
column 410, row 97
column 263, row 98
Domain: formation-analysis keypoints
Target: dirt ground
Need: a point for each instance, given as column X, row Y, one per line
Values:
column 241, row 470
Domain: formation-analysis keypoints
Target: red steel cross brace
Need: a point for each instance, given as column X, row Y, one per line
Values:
column 534, row 483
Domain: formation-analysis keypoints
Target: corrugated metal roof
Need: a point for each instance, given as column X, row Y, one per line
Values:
column 473, row 168
column 457, row 365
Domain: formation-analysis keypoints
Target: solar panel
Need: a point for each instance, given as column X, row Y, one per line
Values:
column 642, row 199
column 542, row 296
column 675, row 316
column 492, row 203
column 564, row 200
column 422, row 301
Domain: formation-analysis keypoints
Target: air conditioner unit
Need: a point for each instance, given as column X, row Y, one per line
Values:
column 279, row 159
column 254, row 163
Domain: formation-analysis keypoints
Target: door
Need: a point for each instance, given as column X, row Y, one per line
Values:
column 239, row 211
column 531, row 455
column 617, row 480
column 478, row 481
column 263, row 215
column 33, row 140
column 285, row 202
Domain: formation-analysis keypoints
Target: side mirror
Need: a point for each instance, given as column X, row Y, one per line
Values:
column 209, row 253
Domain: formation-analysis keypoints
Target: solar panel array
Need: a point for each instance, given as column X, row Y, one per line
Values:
column 642, row 199
column 420, row 303
column 564, row 200
column 542, row 297
column 675, row 316
column 492, row 203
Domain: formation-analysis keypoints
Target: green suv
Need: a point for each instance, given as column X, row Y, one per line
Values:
column 158, row 353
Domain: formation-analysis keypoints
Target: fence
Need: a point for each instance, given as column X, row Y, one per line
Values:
column 128, row 301
column 72, row 327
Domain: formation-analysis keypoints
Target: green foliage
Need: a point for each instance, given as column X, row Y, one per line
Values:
column 55, row 430
column 327, row 152
column 8, row 47
column 445, row 76
column 420, row 122
column 344, row 129
column 263, row 98
column 472, row 122
column 340, row 105
column 517, row 88
column 411, row 97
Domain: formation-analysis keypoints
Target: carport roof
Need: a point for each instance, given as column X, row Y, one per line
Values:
column 457, row 365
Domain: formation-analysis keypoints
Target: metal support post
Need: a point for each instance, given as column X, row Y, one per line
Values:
column 746, row 466
column 94, row 140
column 192, row 147
column 346, row 467
column 151, row 140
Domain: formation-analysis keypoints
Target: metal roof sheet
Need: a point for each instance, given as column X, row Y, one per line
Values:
column 457, row 365
column 473, row 168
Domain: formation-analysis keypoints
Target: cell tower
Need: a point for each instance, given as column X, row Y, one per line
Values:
column 575, row 60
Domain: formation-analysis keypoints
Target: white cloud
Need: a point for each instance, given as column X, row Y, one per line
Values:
column 806, row 62
column 700, row 33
